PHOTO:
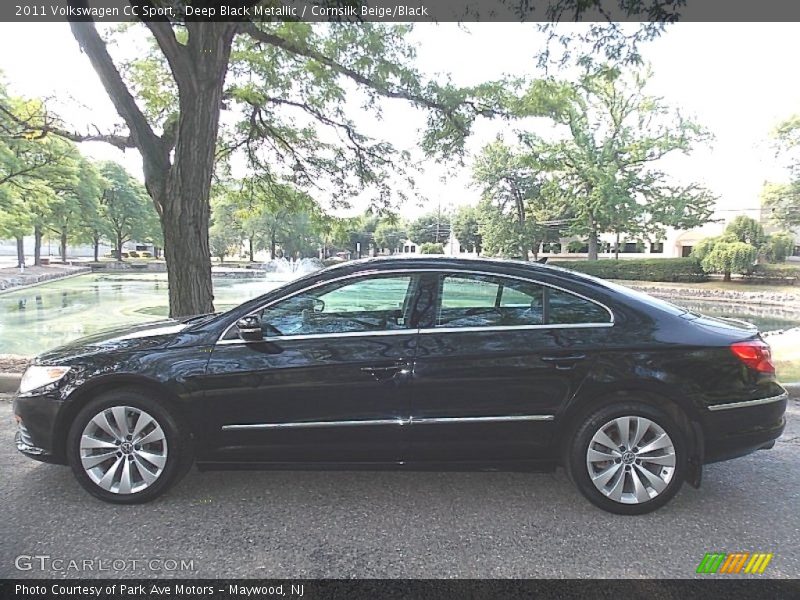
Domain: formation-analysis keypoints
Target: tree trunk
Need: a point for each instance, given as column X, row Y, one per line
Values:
column 726, row 276
column 186, row 208
column 20, row 252
column 180, row 187
column 37, row 246
column 119, row 246
column 592, row 239
column 616, row 248
column 96, row 249
column 64, row 245
column 250, row 251
column 272, row 244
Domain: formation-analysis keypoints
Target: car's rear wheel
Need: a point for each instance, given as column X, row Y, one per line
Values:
column 628, row 458
column 125, row 447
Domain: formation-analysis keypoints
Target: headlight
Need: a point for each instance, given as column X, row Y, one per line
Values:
column 37, row 376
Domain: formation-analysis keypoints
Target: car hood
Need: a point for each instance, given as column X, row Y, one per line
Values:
column 147, row 336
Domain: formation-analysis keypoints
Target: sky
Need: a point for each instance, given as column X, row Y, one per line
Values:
column 737, row 79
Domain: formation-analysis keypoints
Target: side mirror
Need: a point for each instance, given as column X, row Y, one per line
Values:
column 319, row 305
column 250, row 329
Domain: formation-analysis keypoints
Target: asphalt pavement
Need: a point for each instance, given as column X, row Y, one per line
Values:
column 385, row 524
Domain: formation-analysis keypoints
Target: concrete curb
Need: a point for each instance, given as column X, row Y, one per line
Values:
column 25, row 286
column 9, row 382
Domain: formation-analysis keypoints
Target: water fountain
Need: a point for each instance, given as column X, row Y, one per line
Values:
column 283, row 269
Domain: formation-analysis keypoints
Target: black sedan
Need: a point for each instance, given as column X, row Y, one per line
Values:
column 423, row 363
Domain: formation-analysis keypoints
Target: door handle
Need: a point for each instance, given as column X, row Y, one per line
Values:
column 564, row 363
column 389, row 372
column 384, row 369
column 567, row 358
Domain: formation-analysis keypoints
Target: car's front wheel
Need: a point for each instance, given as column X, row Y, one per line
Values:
column 125, row 447
column 628, row 458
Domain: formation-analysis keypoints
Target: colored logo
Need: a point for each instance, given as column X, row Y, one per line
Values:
column 738, row 562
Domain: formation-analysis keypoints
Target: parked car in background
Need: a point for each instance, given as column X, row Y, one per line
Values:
column 412, row 363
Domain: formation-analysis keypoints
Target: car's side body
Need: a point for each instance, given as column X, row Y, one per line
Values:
column 421, row 395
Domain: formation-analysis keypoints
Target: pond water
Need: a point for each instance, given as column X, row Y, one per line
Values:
column 41, row 317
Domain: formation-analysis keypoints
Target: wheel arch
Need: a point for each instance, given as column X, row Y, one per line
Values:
column 82, row 395
column 586, row 403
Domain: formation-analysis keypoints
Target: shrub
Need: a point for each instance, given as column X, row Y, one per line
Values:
column 644, row 269
column 773, row 274
column 779, row 246
column 133, row 254
column 431, row 248
column 729, row 257
column 146, row 254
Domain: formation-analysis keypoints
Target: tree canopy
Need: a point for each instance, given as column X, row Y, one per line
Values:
column 783, row 199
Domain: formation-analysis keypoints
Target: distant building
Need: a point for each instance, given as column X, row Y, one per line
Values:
column 408, row 247
column 674, row 244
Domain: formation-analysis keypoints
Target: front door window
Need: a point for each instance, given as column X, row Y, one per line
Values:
column 364, row 305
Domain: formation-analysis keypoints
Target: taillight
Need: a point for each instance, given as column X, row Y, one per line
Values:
column 755, row 354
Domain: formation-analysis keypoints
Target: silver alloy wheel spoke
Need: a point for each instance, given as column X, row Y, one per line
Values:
column 123, row 449
column 91, row 442
column 141, row 422
column 121, row 419
column 631, row 459
column 154, row 436
column 89, row 462
column 664, row 459
column 101, row 420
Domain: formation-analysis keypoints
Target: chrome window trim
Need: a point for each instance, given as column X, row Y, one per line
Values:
column 315, row 336
column 398, row 421
column 514, row 327
column 445, row 271
column 746, row 403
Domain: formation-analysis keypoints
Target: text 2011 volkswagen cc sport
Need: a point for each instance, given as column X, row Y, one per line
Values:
column 422, row 363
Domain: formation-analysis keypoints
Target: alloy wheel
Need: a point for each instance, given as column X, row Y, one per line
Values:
column 123, row 449
column 631, row 459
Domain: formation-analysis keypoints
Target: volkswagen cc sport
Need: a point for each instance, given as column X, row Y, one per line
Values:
column 421, row 363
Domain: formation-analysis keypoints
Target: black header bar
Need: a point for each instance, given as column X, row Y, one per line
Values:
column 402, row 10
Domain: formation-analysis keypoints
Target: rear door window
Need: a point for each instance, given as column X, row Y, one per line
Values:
column 473, row 300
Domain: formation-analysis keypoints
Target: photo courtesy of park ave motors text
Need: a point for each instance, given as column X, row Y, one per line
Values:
column 481, row 291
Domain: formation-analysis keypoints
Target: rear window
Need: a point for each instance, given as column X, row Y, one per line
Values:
column 626, row 291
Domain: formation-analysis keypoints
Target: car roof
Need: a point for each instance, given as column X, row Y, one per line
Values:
column 441, row 261
column 498, row 265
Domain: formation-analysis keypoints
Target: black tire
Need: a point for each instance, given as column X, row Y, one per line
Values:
column 577, row 458
column 178, row 447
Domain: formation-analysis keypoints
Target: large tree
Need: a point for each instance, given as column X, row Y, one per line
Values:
column 783, row 199
column 285, row 66
column 430, row 228
column 284, row 80
column 607, row 162
column 76, row 200
column 466, row 228
column 125, row 208
column 518, row 200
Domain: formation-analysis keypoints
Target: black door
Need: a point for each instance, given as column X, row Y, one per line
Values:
column 493, row 368
column 328, row 384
